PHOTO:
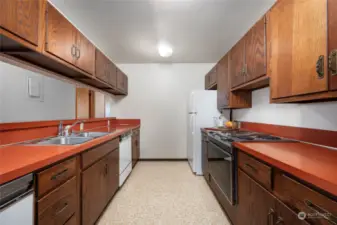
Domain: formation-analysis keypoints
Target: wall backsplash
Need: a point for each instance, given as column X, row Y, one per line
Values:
column 309, row 115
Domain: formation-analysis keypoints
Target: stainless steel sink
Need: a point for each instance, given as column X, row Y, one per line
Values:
column 64, row 141
column 90, row 134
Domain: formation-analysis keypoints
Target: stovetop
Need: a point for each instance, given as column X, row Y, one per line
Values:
column 244, row 136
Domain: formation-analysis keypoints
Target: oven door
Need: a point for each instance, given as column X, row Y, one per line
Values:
column 221, row 166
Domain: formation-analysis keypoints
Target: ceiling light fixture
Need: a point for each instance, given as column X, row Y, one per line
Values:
column 165, row 50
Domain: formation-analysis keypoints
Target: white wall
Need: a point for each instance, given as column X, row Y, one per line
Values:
column 158, row 96
column 310, row 115
column 15, row 105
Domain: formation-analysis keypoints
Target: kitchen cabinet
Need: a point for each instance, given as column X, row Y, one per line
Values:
column 225, row 97
column 112, row 75
column 67, row 43
column 122, row 82
column 21, row 18
column 105, row 69
column 94, row 191
column 298, row 47
column 100, row 179
column 60, row 35
column 135, row 147
column 255, row 51
column 85, row 54
column 237, row 62
column 257, row 206
column 211, row 79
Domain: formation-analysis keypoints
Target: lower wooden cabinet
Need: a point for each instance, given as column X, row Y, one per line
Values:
column 256, row 206
column 99, row 184
column 204, row 157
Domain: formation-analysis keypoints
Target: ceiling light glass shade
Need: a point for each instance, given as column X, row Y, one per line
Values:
column 165, row 50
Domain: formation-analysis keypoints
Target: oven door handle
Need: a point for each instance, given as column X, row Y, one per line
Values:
column 228, row 156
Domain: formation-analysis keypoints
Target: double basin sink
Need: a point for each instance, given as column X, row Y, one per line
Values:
column 73, row 139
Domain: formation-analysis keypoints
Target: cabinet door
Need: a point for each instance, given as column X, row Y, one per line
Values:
column 85, row 54
column 223, row 83
column 205, row 159
column 112, row 74
column 285, row 216
column 60, row 36
column 94, row 192
column 126, row 84
column 112, row 173
column 120, row 80
column 21, row 17
column 207, row 81
column 255, row 205
column 298, row 35
column 237, row 63
column 101, row 67
column 213, row 76
column 255, row 51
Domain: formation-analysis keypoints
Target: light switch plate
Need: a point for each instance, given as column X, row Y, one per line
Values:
column 34, row 87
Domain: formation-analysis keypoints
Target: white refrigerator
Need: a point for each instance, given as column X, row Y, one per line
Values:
column 202, row 107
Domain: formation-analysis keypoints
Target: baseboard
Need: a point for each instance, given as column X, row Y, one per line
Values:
column 174, row 160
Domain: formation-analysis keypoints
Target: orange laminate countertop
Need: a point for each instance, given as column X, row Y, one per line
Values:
column 18, row 160
column 313, row 164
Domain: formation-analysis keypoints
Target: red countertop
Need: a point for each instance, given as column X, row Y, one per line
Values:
column 311, row 163
column 18, row 160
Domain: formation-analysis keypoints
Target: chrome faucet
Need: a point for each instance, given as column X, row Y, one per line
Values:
column 67, row 128
column 60, row 129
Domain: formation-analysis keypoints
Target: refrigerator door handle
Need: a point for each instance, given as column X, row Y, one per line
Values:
column 193, row 123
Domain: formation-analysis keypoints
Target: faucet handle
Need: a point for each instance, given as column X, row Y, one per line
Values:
column 66, row 130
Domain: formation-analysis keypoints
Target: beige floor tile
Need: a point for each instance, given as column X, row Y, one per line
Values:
column 164, row 193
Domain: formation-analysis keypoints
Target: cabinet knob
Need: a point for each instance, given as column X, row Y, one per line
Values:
column 279, row 221
column 78, row 53
column 73, row 50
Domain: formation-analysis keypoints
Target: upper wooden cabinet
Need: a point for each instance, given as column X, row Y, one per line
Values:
column 122, row 81
column 237, row 62
column 298, row 47
column 60, row 36
column 66, row 42
column 226, row 98
column 211, row 79
column 255, row 51
column 112, row 75
column 21, row 18
column 85, row 54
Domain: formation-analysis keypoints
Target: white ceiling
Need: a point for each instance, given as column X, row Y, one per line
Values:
column 128, row 31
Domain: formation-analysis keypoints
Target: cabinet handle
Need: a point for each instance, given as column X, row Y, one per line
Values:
column 279, row 221
column 322, row 212
column 73, row 50
column 333, row 62
column 251, row 167
column 320, row 67
column 270, row 217
column 54, row 177
column 78, row 53
column 63, row 208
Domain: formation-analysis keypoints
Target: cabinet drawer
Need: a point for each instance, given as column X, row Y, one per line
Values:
column 96, row 153
column 302, row 198
column 59, row 205
column 258, row 170
column 55, row 175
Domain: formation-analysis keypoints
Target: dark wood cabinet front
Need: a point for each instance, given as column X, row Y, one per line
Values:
column 112, row 173
column 237, row 64
column 298, row 54
column 122, row 81
column 101, row 64
column 21, row 18
column 135, row 147
column 223, row 91
column 255, row 51
column 204, row 143
column 255, row 205
column 94, row 191
column 112, row 74
column 85, row 54
column 60, row 36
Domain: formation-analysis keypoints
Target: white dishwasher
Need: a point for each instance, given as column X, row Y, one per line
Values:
column 125, row 157
column 17, row 202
